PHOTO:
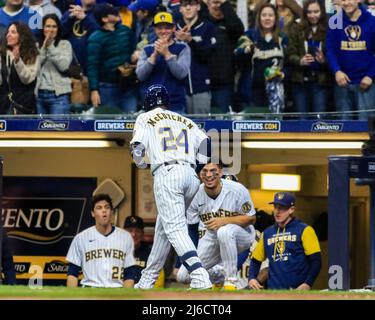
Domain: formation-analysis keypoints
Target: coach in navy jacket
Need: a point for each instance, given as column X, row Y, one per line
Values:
column 350, row 54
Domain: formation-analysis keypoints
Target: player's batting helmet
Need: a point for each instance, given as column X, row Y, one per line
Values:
column 156, row 96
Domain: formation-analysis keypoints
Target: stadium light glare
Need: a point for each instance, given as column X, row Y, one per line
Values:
column 56, row 144
column 281, row 182
column 302, row 144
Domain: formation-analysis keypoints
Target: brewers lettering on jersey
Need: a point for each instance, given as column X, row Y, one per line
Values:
column 291, row 247
column 171, row 142
column 104, row 252
column 226, row 209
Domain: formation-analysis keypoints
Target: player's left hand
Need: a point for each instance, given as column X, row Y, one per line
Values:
column 303, row 286
column 366, row 83
column 215, row 223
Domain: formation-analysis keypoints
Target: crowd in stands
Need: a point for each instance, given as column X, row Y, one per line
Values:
column 288, row 56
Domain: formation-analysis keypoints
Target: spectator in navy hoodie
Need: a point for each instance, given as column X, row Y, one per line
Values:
column 199, row 34
column 350, row 54
column 166, row 61
column 78, row 24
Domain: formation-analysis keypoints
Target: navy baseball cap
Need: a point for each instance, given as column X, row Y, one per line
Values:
column 149, row 5
column 285, row 199
column 134, row 222
column 103, row 10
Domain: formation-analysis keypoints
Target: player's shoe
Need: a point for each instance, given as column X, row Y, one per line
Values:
column 230, row 285
column 200, row 279
column 137, row 286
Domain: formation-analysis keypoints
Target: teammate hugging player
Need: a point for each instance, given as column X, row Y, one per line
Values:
column 226, row 208
column 104, row 252
column 172, row 143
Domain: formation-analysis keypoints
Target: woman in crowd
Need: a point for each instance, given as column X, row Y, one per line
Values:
column 265, row 46
column 53, row 86
column 286, row 16
column 309, row 71
column 19, row 69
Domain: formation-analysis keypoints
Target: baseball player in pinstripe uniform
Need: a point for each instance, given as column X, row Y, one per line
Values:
column 172, row 144
column 104, row 252
column 226, row 208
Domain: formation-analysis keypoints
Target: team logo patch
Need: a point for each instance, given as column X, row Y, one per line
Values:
column 353, row 32
column 280, row 247
column 133, row 220
column 246, row 207
column 280, row 196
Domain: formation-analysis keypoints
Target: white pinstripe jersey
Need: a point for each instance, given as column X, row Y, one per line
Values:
column 102, row 258
column 234, row 199
column 167, row 136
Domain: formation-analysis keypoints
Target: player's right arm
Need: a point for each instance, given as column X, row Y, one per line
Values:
column 139, row 143
column 244, row 208
column 130, row 268
column 72, row 281
column 74, row 257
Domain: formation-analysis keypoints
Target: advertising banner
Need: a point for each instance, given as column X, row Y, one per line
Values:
column 41, row 215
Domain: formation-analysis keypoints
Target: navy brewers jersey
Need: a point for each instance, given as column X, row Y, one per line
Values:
column 287, row 250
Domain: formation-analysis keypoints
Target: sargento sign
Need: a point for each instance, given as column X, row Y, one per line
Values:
column 41, row 216
column 41, row 220
column 327, row 127
column 53, row 125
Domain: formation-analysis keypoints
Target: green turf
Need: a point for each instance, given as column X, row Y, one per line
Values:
column 49, row 292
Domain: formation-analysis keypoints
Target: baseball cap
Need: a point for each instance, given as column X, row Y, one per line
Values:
column 103, row 10
column 149, row 5
column 134, row 222
column 163, row 17
column 285, row 199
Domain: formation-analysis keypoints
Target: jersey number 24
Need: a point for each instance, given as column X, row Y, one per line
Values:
column 169, row 142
